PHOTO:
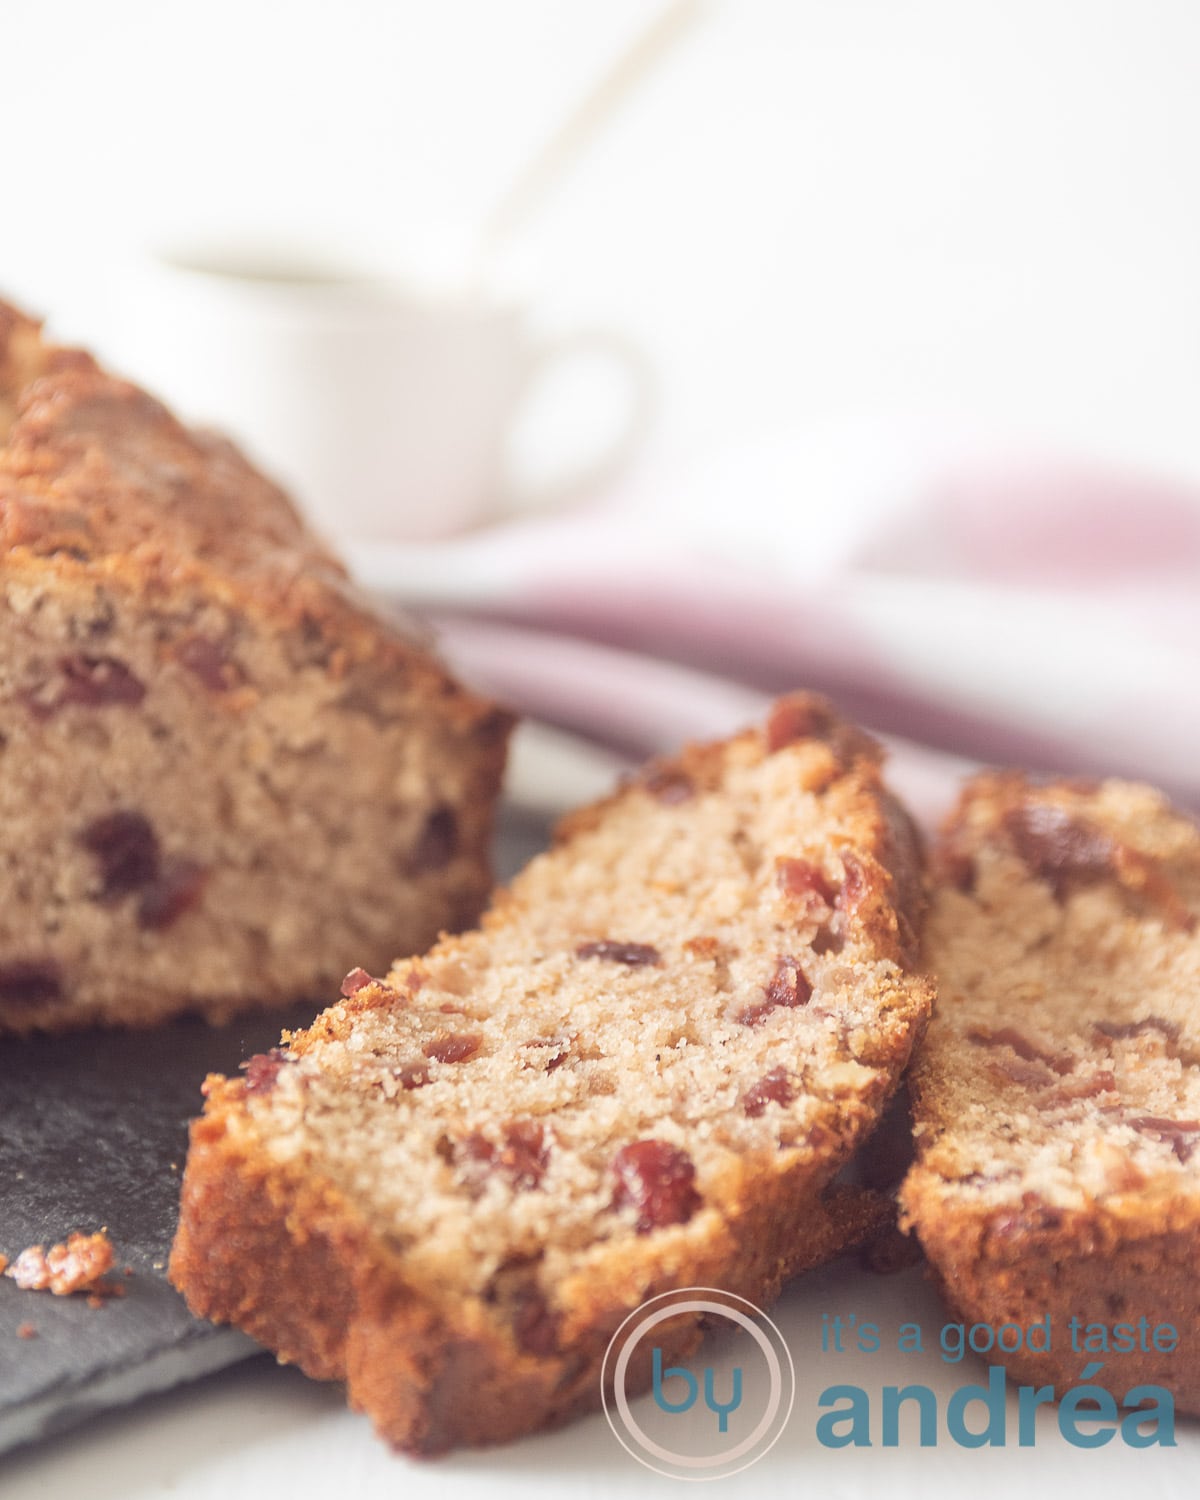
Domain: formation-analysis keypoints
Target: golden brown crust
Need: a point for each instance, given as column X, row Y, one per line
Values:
column 292, row 1263
column 1055, row 1097
column 99, row 480
column 444, row 1354
column 1095, row 1267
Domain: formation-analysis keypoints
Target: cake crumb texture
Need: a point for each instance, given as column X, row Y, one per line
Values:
column 79, row 1265
column 642, row 1072
column 1057, row 1095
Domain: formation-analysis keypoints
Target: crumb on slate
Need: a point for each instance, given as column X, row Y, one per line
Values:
column 76, row 1266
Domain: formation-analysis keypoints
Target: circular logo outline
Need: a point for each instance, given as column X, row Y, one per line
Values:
column 680, row 1300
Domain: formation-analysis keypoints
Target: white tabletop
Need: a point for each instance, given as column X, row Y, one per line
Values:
column 260, row 1431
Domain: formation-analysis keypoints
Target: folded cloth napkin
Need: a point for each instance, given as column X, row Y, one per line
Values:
column 1040, row 613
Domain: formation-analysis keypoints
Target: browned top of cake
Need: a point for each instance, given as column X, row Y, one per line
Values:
column 99, row 482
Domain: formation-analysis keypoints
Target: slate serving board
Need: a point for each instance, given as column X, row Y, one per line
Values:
column 93, row 1131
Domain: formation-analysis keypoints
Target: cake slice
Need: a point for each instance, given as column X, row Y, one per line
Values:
column 641, row 1073
column 1057, row 1094
column 223, row 778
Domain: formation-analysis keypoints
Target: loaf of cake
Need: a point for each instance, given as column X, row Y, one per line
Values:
column 223, row 777
column 1057, row 1095
column 642, row 1073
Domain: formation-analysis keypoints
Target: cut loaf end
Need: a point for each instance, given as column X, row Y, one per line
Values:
column 223, row 776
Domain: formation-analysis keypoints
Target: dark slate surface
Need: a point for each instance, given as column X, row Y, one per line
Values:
column 93, row 1131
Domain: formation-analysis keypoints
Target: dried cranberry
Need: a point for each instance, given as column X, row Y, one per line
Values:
column 210, row 662
column 174, row 891
column 958, row 869
column 561, row 1050
column 804, row 716
column 754, row 1015
column 1029, row 1075
column 1181, row 1135
column 30, row 981
column 437, row 843
column 796, row 718
column 787, row 987
column 634, row 954
column 262, row 1070
column 774, row 1087
column 1067, row 852
column 520, row 1158
column 525, row 1153
column 1058, row 845
column 96, row 681
column 669, row 785
column 356, row 980
column 535, row 1325
column 1123, row 1030
column 412, row 1075
column 855, row 885
column 475, row 1149
column 1008, row 1036
column 454, row 1046
column 801, row 878
column 127, row 850
column 658, row 1180
column 88, row 682
column 1102, row 1081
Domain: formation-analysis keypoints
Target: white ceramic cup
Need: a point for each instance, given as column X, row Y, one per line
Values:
column 390, row 412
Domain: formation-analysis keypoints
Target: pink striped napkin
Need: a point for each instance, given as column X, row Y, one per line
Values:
column 1040, row 613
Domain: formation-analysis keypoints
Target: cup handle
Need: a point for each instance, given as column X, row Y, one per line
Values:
column 545, row 363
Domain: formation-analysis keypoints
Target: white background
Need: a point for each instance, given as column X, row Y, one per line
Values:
column 814, row 211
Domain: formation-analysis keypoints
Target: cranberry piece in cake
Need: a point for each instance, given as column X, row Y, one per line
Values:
column 454, row 1046
column 774, row 1087
column 126, row 851
column 658, row 1180
column 787, row 987
column 86, row 682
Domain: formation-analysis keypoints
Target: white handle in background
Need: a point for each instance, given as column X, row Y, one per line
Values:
column 607, row 452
